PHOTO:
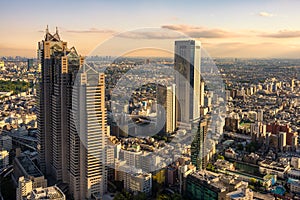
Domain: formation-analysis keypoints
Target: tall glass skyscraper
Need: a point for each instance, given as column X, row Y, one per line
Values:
column 187, row 63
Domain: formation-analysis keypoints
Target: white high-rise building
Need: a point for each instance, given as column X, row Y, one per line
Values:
column 187, row 64
column 88, row 157
column 166, row 98
column 202, row 93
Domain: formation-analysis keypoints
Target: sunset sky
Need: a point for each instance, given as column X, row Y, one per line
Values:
column 233, row 28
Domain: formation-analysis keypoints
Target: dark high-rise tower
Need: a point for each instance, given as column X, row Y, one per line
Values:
column 59, row 65
column 198, row 146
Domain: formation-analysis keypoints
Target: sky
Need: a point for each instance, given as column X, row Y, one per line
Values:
column 226, row 28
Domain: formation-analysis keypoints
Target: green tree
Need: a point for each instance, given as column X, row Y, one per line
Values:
column 253, row 181
column 140, row 196
column 123, row 196
column 163, row 197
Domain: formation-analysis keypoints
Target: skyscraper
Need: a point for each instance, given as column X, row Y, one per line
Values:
column 59, row 68
column 29, row 64
column 202, row 84
column 187, row 63
column 70, row 148
column 166, row 98
column 198, row 146
column 90, row 117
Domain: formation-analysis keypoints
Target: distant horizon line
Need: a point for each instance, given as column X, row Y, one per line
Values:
column 217, row 57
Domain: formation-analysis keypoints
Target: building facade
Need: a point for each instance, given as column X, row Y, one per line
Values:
column 198, row 146
column 187, row 64
column 90, row 124
column 166, row 98
column 72, row 125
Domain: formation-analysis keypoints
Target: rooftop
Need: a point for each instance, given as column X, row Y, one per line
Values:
column 52, row 192
column 29, row 166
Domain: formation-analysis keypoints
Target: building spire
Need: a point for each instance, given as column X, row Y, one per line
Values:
column 56, row 30
column 47, row 29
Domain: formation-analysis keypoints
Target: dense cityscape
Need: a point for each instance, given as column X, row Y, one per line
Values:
column 45, row 156
column 149, row 100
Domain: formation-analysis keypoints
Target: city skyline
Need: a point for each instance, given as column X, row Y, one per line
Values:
column 226, row 29
column 147, row 100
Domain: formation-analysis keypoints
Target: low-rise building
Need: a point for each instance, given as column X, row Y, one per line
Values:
column 294, row 185
column 52, row 192
column 269, row 180
column 24, row 167
column 224, row 165
column 272, row 167
column 230, row 153
column 208, row 185
column 294, row 173
column 240, row 194
column 135, row 180
column 251, row 158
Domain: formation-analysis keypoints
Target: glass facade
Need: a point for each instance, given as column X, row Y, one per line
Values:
column 197, row 190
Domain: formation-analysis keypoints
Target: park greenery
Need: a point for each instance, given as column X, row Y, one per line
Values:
column 15, row 86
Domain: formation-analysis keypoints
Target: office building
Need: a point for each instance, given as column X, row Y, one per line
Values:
column 29, row 64
column 24, row 167
column 202, row 185
column 71, row 150
column 135, row 180
column 166, row 98
column 59, row 67
column 27, row 191
column 202, row 84
column 198, row 146
column 90, row 124
column 4, row 158
column 187, row 64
